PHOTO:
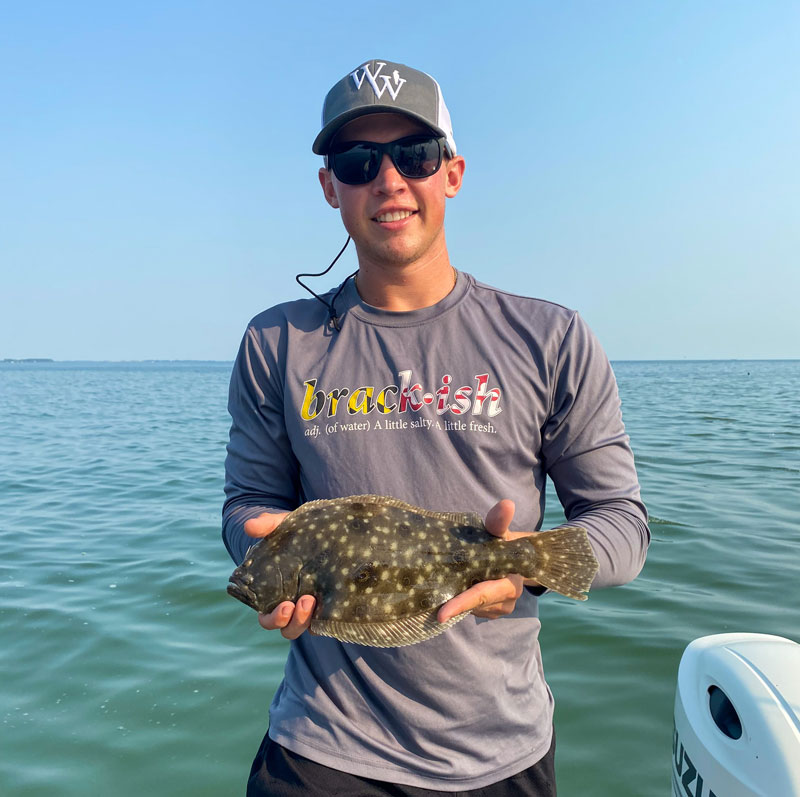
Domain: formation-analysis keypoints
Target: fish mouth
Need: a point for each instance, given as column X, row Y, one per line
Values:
column 240, row 591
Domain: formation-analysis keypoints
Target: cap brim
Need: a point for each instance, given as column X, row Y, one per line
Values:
column 323, row 140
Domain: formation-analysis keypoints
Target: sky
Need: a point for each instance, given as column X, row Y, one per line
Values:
column 637, row 161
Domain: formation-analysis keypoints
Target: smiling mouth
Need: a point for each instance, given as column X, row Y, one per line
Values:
column 395, row 215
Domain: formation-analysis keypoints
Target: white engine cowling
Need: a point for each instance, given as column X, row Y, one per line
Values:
column 737, row 718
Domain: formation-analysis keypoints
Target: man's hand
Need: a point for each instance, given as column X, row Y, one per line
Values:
column 492, row 599
column 292, row 619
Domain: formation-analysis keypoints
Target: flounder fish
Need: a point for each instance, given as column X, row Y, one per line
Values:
column 380, row 568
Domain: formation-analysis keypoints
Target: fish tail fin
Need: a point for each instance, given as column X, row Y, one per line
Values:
column 565, row 561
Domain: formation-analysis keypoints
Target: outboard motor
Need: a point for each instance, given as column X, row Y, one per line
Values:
column 737, row 718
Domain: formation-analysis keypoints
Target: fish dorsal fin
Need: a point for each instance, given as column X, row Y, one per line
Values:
column 309, row 506
column 390, row 634
column 456, row 518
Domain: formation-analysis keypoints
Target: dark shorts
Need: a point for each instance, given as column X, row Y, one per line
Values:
column 279, row 772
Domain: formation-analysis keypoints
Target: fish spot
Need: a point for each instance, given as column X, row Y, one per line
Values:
column 365, row 575
column 385, row 575
column 374, row 601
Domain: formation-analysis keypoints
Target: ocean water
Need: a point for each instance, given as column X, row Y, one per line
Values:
column 127, row 670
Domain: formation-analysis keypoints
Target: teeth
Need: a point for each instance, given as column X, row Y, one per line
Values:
column 395, row 216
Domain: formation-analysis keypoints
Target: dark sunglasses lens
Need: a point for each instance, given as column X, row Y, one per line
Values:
column 417, row 158
column 357, row 164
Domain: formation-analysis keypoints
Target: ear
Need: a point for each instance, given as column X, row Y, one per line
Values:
column 454, row 174
column 328, row 188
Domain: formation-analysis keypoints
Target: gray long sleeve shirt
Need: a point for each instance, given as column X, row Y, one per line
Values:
column 451, row 407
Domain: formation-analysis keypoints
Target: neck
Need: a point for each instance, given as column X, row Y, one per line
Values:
column 405, row 287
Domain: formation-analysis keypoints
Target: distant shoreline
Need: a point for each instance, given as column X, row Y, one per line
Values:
column 16, row 360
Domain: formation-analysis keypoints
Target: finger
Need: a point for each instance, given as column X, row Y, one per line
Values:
column 264, row 524
column 301, row 618
column 481, row 596
column 278, row 617
column 496, row 610
column 499, row 518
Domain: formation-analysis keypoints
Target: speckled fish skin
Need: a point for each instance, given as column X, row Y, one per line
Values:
column 380, row 568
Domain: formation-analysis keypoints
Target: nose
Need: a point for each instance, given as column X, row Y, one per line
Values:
column 388, row 180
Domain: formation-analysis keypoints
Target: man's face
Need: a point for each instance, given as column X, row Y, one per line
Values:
column 370, row 211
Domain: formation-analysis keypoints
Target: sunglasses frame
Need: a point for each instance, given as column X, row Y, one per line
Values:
column 387, row 149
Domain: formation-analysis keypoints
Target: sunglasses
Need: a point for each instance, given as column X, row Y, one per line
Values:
column 358, row 162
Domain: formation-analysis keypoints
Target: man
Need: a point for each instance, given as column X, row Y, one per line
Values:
column 414, row 380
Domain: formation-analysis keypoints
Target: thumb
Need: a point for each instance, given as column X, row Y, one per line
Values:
column 499, row 518
column 264, row 524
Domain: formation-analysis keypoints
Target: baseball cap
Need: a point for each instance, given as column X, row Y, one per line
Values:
column 384, row 87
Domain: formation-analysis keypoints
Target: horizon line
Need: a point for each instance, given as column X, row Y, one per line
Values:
column 48, row 360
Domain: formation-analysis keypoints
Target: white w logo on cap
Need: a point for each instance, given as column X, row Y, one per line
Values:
column 373, row 80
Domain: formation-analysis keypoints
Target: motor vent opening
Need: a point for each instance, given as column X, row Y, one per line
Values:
column 723, row 713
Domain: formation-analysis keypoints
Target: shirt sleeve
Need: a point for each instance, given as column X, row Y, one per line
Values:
column 261, row 471
column 587, row 455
